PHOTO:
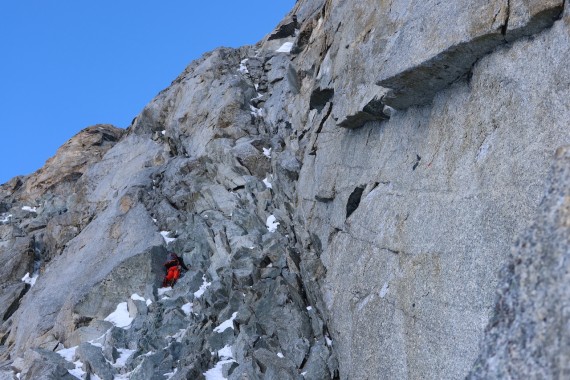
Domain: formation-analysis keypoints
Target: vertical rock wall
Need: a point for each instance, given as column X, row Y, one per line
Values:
column 412, row 218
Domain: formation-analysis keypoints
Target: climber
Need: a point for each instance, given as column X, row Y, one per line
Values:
column 173, row 265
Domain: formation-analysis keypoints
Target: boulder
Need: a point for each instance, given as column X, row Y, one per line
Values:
column 44, row 365
column 94, row 362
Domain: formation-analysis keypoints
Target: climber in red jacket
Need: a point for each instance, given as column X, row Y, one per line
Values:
column 173, row 265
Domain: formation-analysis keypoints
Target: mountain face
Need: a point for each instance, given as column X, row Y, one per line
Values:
column 381, row 193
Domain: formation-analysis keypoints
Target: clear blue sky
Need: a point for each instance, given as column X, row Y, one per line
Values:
column 68, row 64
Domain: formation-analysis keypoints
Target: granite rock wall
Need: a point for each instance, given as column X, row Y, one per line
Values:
column 347, row 199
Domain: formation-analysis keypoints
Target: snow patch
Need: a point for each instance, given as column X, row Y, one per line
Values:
column 329, row 340
column 267, row 183
column 271, row 223
column 226, row 324
column 384, row 290
column 203, row 287
column 30, row 280
column 178, row 336
column 226, row 356
column 267, row 152
column 169, row 375
column 162, row 291
column 486, row 147
column 30, row 209
column 167, row 239
column 124, row 355
column 285, row 48
column 136, row 297
column 67, row 353
column 257, row 112
column 6, row 219
column 78, row 372
column 216, row 373
column 242, row 67
column 187, row 308
column 309, row 308
column 120, row 317
column 280, row 354
column 226, row 352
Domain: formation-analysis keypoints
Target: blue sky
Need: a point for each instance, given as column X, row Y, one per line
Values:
column 68, row 64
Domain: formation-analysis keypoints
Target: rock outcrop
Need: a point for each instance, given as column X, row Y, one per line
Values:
column 345, row 193
column 425, row 54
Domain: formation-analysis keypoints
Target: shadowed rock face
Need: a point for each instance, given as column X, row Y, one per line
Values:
column 371, row 250
column 285, row 29
column 526, row 334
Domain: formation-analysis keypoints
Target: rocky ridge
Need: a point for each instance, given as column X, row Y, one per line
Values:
column 342, row 218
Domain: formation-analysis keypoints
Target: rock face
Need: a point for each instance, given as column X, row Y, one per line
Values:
column 32, row 235
column 72, row 160
column 425, row 55
column 528, row 312
column 345, row 194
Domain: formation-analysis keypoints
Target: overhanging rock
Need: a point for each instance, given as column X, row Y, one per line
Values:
column 427, row 53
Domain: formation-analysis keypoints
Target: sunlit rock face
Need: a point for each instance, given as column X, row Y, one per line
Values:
column 347, row 195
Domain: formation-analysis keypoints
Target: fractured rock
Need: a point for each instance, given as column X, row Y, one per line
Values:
column 285, row 28
column 418, row 65
column 94, row 362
